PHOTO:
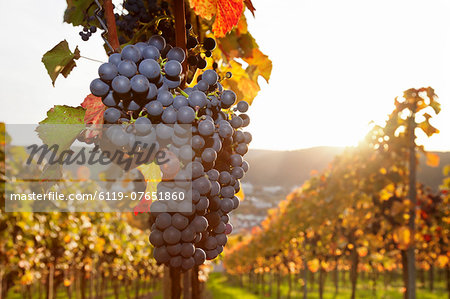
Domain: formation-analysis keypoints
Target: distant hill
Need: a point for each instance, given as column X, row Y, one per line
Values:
column 291, row 168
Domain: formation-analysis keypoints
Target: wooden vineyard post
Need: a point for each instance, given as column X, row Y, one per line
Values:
column 411, row 287
column 195, row 283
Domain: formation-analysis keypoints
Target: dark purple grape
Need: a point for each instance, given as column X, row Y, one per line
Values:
column 161, row 255
column 150, row 68
column 227, row 99
column 150, row 52
column 209, row 44
column 210, row 76
column 99, row 88
column 185, row 115
column 176, row 54
column 131, row 52
column 154, row 108
column 139, row 84
column 115, row 59
column 121, row 84
column 107, row 71
column 112, row 115
column 158, row 41
column 173, row 68
column 172, row 235
column 242, row 106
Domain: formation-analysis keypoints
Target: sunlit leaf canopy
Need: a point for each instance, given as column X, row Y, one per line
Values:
column 355, row 213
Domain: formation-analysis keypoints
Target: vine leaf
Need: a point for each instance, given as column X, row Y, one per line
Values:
column 94, row 110
column 432, row 159
column 427, row 128
column 60, row 60
column 227, row 13
column 152, row 175
column 62, row 126
column 259, row 65
column 76, row 11
column 245, row 88
column 249, row 5
column 204, row 8
column 50, row 175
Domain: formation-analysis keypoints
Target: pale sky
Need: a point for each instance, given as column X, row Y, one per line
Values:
column 336, row 66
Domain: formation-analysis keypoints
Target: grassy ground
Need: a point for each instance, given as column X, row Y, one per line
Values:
column 219, row 286
column 62, row 293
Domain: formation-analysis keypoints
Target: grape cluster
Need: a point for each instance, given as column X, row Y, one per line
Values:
column 196, row 54
column 141, row 88
column 143, row 12
column 87, row 32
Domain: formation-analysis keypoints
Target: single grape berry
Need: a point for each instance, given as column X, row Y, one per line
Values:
column 107, row 71
column 132, row 53
column 158, row 41
column 209, row 44
column 201, row 63
column 173, row 68
column 228, row 98
column 210, row 76
column 192, row 60
column 242, row 106
column 192, row 42
column 99, row 88
column 176, row 54
column 111, row 115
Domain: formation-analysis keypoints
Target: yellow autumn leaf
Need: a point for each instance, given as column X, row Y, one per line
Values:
column 241, row 194
column 432, row 159
column 442, row 261
column 402, row 236
column 259, row 65
column 152, row 175
column 313, row 265
column 362, row 251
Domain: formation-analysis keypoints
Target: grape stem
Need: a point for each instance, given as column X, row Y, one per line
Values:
column 182, row 92
column 146, row 27
column 91, row 59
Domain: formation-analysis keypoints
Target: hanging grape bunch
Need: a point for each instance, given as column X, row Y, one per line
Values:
column 140, row 88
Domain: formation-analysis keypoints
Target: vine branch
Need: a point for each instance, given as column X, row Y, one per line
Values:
column 111, row 23
column 180, row 30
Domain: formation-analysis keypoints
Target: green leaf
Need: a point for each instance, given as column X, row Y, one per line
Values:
column 62, row 126
column 77, row 10
column 60, row 60
column 50, row 175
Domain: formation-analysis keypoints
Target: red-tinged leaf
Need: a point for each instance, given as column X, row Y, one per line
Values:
column 228, row 15
column 249, row 5
column 94, row 110
column 241, row 27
